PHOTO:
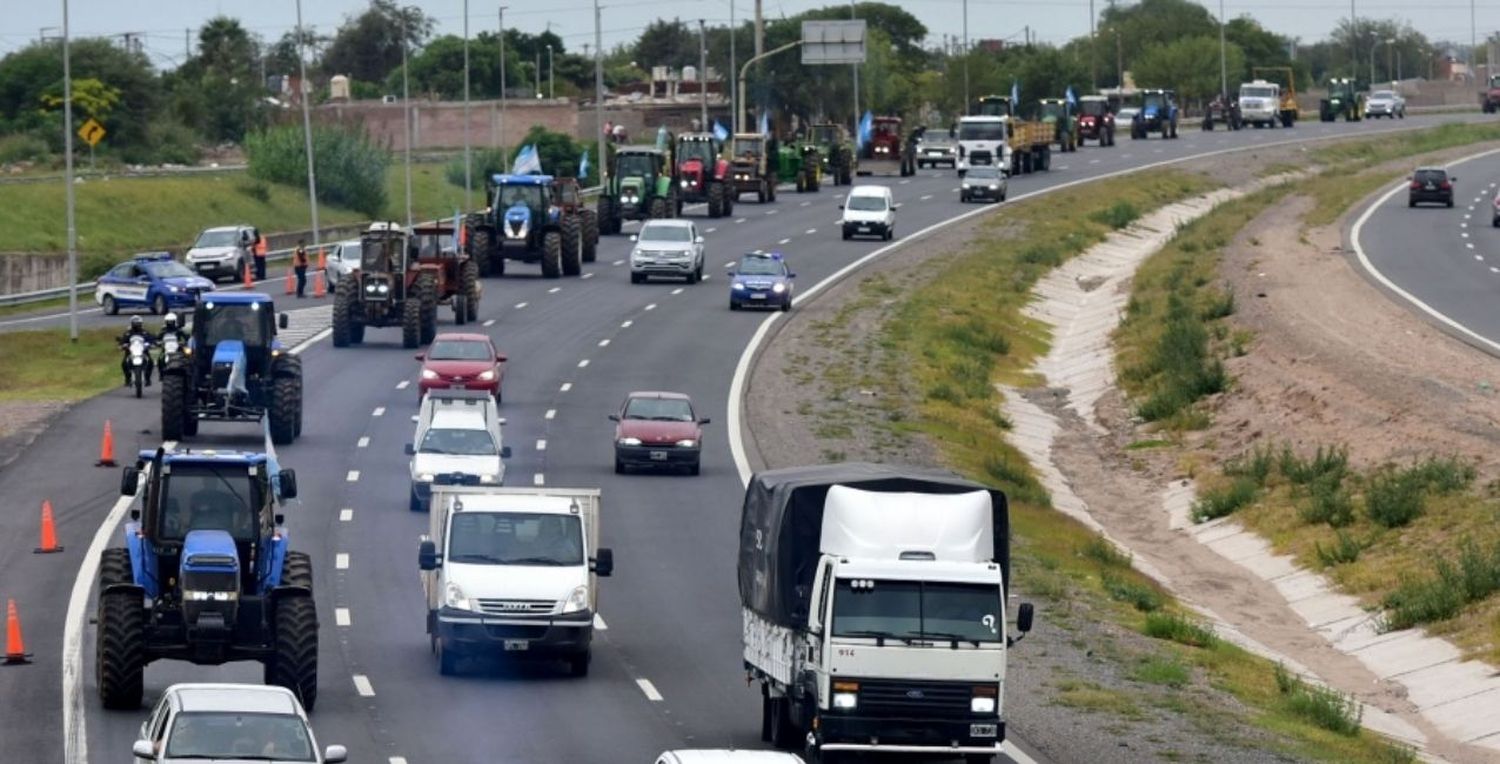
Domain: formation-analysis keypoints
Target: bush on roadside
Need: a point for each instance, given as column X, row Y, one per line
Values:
column 1254, row 464
column 1328, row 463
column 1117, row 216
column 1225, row 500
column 1324, row 707
column 350, row 167
column 1418, row 600
column 486, row 162
column 1179, row 628
column 1328, row 501
column 1181, row 363
column 23, row 147
column 1393, row 498
column 1344, row 549
column 1140, row 596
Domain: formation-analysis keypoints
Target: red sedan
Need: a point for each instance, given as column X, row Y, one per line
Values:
column 658, row 430
column 463, row 362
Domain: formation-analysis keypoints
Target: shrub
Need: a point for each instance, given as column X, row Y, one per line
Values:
column 1344, row 549
column 1442, row 596
column 1254, row 464
column 1226, row 500
column 1140, row 596
column 1331, row 462
column 1181, row 360
column 350, row 168
column 1219, row 306
column 1443, row 475
column 23, row 147
column 1118, row 215
column 1179, row 628
column 1162, row 670
column 1014, row 479
column 974, row 336
column 1393, row 499
column 1328, row 501
column 1320, row 706
column 1103, row 551
column 256, row 190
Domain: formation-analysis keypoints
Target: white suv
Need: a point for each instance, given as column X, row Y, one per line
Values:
column 457, row 442
column 223, row 251
column 213, row 722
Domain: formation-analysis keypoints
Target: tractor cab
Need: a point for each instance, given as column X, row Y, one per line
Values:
column 384, row 257
column 827, row 133
column 748, row 148
column 234, row 338
column 521, row 204
column 993, row 106
column 1054, row 110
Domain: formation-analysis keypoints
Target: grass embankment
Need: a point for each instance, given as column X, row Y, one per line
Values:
column 958, row 333
column 45, row 366
column 1376, row 534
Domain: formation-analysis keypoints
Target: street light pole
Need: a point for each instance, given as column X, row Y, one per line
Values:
column 406, row 112
column 600, row 160
column 734, row 103
column 703, row 74
column 68, row 179
column 502, row 79
column 468, row 156
column 551, row 75
column 1093, row 53
column 966, row 59
column 1223, row 55
column 855, row 67
column 745, row 70
column 312, row 176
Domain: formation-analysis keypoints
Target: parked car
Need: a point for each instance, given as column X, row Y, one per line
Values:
column 761, row 280
column 1430, row 184
column 727, row 756
column 937, row 148
column 223, row 251
column 658, row 429
column 983, row 184
column 667, row 247
column 1385, row 103
column 150, row 280
column 457, row 442
column 869, row 210
column 457, row 360
column 341, row 260
column 230, row 722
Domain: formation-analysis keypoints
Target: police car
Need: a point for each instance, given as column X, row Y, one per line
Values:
column 151, row 280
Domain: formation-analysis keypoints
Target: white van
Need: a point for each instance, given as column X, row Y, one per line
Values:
column 871, row 211
column 457, row 442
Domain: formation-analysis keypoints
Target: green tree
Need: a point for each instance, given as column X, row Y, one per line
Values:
column 667, row 43
column 28, row 73
column 92, row 99
column 558, row 151
column 439, row 68
column 367, row 47
column 1189, row 66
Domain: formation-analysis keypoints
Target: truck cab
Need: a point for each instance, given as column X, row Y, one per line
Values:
column 1260, row 103
column 511, row 572
column 981, row 141
column 457, row 442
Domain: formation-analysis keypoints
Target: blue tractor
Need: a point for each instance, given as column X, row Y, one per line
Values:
column 205, row 575
column 527, row 220
column 1158, row 114
column 234, row 370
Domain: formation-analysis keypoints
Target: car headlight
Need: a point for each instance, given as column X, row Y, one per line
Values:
column 383, row 288
column 578, row 600
column 425, row 477
column 994, row 186
column 845, row 695
column 737, row 286
column 629, row 441
column 453, row 596
column 687, row 443
column 981, row 705
column 173, row 289
column 778, row 288
column 487, row 375
column 429, row 374
column 193, row 595
column 967, row 186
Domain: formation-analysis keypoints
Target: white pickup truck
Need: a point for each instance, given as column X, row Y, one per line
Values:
column 512, row 572
column 874, row 606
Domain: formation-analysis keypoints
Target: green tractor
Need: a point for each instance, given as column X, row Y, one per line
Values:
column 1063, row 118
column 801, row 164
column 832, row 141
column 1343, row 99
column 639, row 187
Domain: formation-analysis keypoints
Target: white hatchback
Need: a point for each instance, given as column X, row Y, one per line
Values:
column 869, row 211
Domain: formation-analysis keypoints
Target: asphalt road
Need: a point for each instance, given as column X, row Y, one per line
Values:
column 667, row 669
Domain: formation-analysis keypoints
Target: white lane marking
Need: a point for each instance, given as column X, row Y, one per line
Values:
column 341, row 616
column 652, row 306
column 379, row 411
column 770, row 212
column 618, row 262
column 707, row 276
column 554, row 290
column 1493, row 269
column 520, row 305
column 604, row 343
column 1467, row 215
column 566, row 386
column 925, row 197
column 362, row 684
column 397, row 760
column 583, row 364
column 678, row 290
column 650, row 690
column 809, row 232
column 588, row 275
column 626, row 324
column 346, row 515
column 363, row 442
column 599, row 623
column 804, row 204
column 352, row 477
column 1463, row 225
column 490, row 322
column 904, row 182
column 541, row 444
column 739, row 220
column 1124, row 156
column 550, row 414
column 538, row 479
column 784, row 241
column 1095, row 161
column 1062, row 167
column 1464, row 234
column 341, row 561
column 403, row 384
column 709, row 230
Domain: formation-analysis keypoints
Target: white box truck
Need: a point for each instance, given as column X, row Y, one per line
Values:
column 512, row 572
column 874, row 606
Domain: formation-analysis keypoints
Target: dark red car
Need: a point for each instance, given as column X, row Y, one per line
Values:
column 658, row 430
column 462, row 362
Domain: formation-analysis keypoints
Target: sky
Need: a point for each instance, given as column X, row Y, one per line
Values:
column 162, row 22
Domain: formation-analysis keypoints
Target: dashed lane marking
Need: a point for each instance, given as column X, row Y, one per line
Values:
column 583, row 364
column 538, row 479
column 811, row 231
column 925, row 197
column 652, row 306
column 618, row 262
column 709, row 230
column 784, row 241
column 770, row 212
column 707, row 276
column 550, row 414
column 806, row 204
column 341, row 561
column 397, row 760
column 566, row 386
column 604, row 343
column 1493, row 269
column 362, row 684
column 346, row 515
column 1093, row 161
column 588, row 275
column 599, row 623
column 739, row 220
column 678, row 290
column 554, row 290
column 490, row 322
column 352, row 477
column 520, row 305
column 626, row 324
column 904, row 182
column 363, row 442
column 341, row 616
column 403, row 384
column 379, row 411
column 541, row 444
column 649, row 689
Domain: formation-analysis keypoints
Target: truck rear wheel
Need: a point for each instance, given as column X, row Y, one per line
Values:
column 283, row 412
column 427, row 291
column 572, row 242
column 482, row 248
column 468, row 281
column 552, row 246
column 783, row 734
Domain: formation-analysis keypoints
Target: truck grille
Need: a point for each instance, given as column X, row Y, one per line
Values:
column 980, row 157
column 896, row 698
column 516, row 607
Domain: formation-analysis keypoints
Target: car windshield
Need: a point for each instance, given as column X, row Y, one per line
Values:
column 665, row 233
column 215, row 239
column 237, row 322
column 759, row 266
column 457, row 442
column 659, row 409
column 1382, row 95
column 525, row 194
column 1257, row 92
column 227, row 735
column 1093, row 108
column 695, row 149
column 982, row 173
column 927, row 610
column 865, row 203
column 935, row 141
column 460, row 350
column 167, row 269
column 981, row 131
column 200, row 497
column 636, row 165
column 515, row 538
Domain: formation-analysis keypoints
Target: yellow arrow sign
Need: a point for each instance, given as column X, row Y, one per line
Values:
column 91, row 132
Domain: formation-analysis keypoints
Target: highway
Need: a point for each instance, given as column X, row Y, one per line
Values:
column 667, row 667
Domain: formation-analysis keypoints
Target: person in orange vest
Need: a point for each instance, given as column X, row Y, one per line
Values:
column 299, row 264
column 258, row 248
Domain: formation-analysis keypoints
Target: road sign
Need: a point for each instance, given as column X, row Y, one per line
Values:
column 91, row 132
column 833, row 42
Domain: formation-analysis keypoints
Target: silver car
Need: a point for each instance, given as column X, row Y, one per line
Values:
column 1385, row 103
column 342, row 259
column 670, row 247
column 223, row 251
column 230, row 722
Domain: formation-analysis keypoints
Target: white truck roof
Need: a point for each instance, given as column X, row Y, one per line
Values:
column 982, row 118
column 879, row 525
column 927, row 570
column 517, row 501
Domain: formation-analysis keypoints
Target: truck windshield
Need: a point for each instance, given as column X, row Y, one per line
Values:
column 981, row 131
column 515, row 538
column 917, row 610
column 993, row 107
column 703, row 151
column 1052, row 111
column 748, row 148
column 1257, row 92
column 236, row 322
column 197, row 497
column 1153, row 100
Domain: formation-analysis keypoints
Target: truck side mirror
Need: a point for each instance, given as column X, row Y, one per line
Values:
column 427, row 556
column 1024, row 616
column 411, row 450
column 288, row 480
column 603, row 563
column 421, row 356
column 144, row 749
column 612, row 418
column 130, row 477
column 281, row 321
column 505, row 452
column 704, row 420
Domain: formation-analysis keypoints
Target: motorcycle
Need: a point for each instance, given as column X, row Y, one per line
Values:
column 139, row 362
column 170, row 348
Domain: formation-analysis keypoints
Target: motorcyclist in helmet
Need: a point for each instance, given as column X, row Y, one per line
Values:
column 137, row 329
column 170, row 328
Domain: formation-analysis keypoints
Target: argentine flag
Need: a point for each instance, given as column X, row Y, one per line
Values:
column 527, row 162
column 583, row 165
column 720, row 134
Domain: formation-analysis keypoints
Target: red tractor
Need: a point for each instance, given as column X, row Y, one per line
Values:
column 887, row 150
column 703, row 176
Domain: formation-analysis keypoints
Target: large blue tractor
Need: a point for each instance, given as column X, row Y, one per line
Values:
column 528, row 220
column 1158, row 114
column 205, row 575
column 235, row 370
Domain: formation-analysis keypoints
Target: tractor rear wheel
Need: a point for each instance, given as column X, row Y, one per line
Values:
column 343, row 299
column 294, row 664
column 120, row 648
column 174, row 406
column 482, row 249
column 427, row 291
column 411, row 323
column 468, row 286
column 716, row 201
column 285, row 399
column 572, row 241
column 590, row 235
column 552, row 246
column 609, row 222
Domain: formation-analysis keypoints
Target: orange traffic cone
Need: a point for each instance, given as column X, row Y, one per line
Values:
column 319, row 288
column 106, row 448
column 322, row 258
column 15, row 649
column 248, row 282
column 289, row 287
column 49, row 531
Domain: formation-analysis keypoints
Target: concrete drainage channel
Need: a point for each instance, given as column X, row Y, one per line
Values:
column 1083, row 301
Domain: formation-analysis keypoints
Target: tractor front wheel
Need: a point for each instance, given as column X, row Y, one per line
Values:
column 411, row 323
column 716, row 201
column 482, row 249
column 427, row 291
column 468, row 286
column 174, row 406
column 120, row 647
column 285, row 400
column 552, row 246
column 343, row 299
column 294, row 664
column 572, row 254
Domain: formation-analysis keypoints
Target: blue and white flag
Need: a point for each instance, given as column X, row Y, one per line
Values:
column 661, row 138
column 1072, row 99
column 720, row 134
column 583, row 165
column 1015, row 94
column 528, row 162
column 866, row 125
column 765, row 123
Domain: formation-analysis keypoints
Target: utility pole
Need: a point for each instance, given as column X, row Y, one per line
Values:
column 1093, row 54
column 538, row 70
column 468, row 157
column 187, row 44
column 733, row 102
column 68, row 178
column 1223, row 55
column 306, row 94
column 1474, row 44
column 551, row 75
column 599, row 96
column 760, row 31
column 406, row 113
column 966, row 57
column 855, row 68
column 502, row 79
column 1353, row 41
column 703, row 75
